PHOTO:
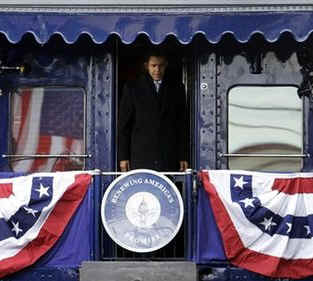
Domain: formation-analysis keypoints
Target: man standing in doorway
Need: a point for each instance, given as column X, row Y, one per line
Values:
column 152, row 125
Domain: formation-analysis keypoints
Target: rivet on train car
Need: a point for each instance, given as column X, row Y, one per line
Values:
column 204, row 86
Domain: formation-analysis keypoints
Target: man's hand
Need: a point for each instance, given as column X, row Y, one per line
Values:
column 183, row 165
column 124, row 165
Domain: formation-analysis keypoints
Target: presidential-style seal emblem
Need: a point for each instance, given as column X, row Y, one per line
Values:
column 142, row 210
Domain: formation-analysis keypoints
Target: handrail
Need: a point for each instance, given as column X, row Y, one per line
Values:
column 46, row 155
column 265, row 155
column 188, row 171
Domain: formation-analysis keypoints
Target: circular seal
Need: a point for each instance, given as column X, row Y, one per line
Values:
column 142, row 210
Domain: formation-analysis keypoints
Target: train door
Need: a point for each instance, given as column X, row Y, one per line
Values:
column 129, row 66
column 250, row 113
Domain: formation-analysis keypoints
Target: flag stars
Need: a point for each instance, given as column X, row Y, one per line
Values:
column 308, row 229
column 31, row 211
column 16, row 228
column 248, row 202
column 268, row 223
column 289, row 227
column 43, row 191
column 239, row 182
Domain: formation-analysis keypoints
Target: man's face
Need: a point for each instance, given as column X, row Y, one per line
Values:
column 156, row 67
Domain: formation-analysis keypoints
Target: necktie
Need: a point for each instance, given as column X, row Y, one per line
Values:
column 157, row 85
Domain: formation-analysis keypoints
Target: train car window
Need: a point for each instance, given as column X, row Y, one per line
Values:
column 47, row 121
column 265, row 120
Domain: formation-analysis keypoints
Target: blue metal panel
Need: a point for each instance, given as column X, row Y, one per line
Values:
column 45, row 273
column 96, row 204
column 3, row 131
column 108, row 247
column 308, row 162
column 104, row 155
column 190, row 203
column 207, row 104
column 156, row 26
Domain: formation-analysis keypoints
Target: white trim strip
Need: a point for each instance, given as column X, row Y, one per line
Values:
column 155, row 8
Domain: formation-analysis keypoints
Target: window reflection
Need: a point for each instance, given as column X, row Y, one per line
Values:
column 266, row 120
column 47, row 121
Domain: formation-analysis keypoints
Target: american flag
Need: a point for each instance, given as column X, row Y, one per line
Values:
column 265, row 220
column 34, row 211
column 47, row 121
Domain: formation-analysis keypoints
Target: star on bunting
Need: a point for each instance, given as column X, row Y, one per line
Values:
column 308, row 229
column 239, row 182
column 43, row 191
column 267, row 223
column 31, row 211
column 248, row 202
column 289, row 225
column 16, row 228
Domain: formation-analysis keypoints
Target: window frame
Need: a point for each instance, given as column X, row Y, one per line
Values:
column 49, row 86
column 304, row 125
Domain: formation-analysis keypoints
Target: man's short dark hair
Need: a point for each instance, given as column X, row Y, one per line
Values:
column 154, row 52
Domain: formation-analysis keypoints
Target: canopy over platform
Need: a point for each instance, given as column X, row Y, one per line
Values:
column 156, row 25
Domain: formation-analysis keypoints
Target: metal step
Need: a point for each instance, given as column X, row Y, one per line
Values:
column 138, row 271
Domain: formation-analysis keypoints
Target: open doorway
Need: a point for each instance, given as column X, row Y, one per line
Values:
column 130, row 66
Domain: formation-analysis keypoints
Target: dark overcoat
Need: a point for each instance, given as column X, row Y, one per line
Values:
column 152, row 127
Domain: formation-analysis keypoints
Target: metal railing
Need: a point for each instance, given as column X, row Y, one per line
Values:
column 180, row 247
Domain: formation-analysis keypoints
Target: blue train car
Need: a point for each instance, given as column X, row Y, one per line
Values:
column 248, row 73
